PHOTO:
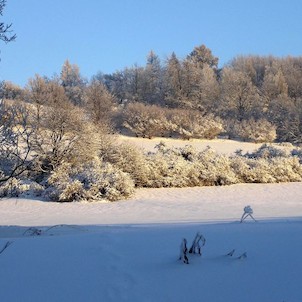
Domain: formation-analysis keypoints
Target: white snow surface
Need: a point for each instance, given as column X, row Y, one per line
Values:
column 128, row 250
column 221, row 146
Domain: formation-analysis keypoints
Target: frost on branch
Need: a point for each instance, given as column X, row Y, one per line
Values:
column 92, row 181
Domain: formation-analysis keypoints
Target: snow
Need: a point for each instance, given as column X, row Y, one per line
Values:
column 221, row 146
column 163, row 205
column 128, row 250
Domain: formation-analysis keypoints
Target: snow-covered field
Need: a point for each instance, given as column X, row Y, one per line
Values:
column 128, row 250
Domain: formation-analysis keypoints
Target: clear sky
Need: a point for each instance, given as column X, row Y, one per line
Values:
column 108, row 35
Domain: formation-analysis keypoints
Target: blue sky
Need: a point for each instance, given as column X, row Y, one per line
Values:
column 108, row 35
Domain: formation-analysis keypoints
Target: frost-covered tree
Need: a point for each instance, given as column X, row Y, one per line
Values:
column 257, row 131
column 99, row 103
column 200, row 83
column 11, row 91
column 134, row 83
column 15, row 137
column 39, row 94
column 152, row 93
column 202, row 56
column 287, row 116
column 239, row 97
column 292, row 71
column 173, row 81
column 274, row 83
column 73, row 82
column 253, row 66
column 63, row 135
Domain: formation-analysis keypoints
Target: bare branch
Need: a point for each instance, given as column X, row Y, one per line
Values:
column 5, row 29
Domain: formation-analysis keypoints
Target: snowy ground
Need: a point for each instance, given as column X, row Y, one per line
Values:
column 128, row 251
column 222, row 146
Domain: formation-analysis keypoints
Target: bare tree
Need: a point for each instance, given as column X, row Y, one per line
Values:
column 6, row 34
column 15, row 135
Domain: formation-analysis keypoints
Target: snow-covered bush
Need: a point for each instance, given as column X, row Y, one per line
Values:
column 144, row 121
column 149, row 121
column 215, row 169
column 267, row 151
column 258, row 171
column 267, row 165
column 112, row 184
column 297, row 153
column 128, row 159
column 90, row 181
column 286, row 169
column 192, row 124
column 16, row 188
column 169, row 167
column 257, row 131
column 11, row 188
column 183, row 167
column 72, row 191
column 170, row 170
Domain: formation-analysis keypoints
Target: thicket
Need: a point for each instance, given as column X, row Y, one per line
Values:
column 152, row 120
column 125, row 168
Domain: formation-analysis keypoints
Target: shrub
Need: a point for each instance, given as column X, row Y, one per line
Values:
column 91, row 181
column 17, row 188
column 192, row 124
column 150, row 121
column 297, row 153
column 267, row 151
column 267, row 165
column 253, row 170
column 257, row 131
column 215, row 169
column 144, row 121
column 170, row 170
column 128, row 159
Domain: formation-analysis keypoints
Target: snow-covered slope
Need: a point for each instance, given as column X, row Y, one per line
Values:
column 128, row 250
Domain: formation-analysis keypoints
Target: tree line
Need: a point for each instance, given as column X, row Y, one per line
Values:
column 256, row 98
column 250, row 90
